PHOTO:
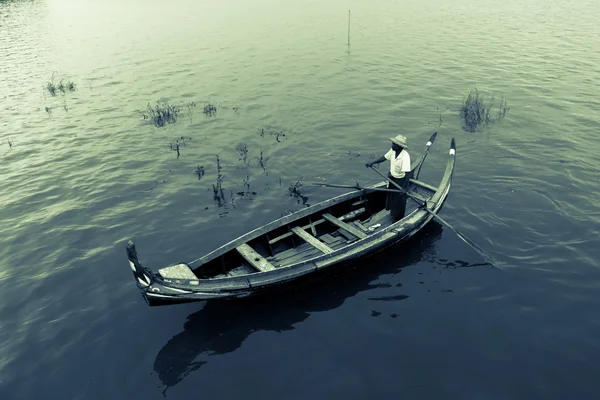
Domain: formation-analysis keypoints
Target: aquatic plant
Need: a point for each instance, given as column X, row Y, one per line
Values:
column 218, row 194
column 162, row 113
column 277, row 134
column 294, row 190
column 62, row 87
column 177, row 149
column 439, row 121
column 51, row 88
column 70, row 86
column 475, row 110
column 247, row 181
column 189, row 107
column 262, row 162
column 242, row 149
column 199, row 171
column 247, row 192
column 210, row 110
column 503, row 109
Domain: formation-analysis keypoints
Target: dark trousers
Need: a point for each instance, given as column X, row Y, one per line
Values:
column 396, row 202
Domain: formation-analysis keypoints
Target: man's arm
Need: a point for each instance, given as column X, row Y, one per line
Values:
column 379, row 160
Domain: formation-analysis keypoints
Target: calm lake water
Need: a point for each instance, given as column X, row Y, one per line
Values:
column 427, row 320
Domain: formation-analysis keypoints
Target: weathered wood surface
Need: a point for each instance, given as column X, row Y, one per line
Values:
column 423, row 184
column 378, row 217
column 312, row 252
column 347, row 227
column 179, row 271
column 312, row 240
column 255, row 259
column 327, row 238
column 285, row 220
column 305, row 251
column 315, row 223
column 360, row 226
column 286, row 235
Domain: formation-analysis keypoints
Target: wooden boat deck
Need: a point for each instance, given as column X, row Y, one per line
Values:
column 346, row 234
column 305, row 243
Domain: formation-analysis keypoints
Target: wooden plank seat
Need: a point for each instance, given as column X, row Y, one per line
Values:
column 308, row 238
column 317, row 222
column 255, row 259
column 177, row 271
column 360, row 226
column 420, row 197
column 422, row 184
column 347, row 227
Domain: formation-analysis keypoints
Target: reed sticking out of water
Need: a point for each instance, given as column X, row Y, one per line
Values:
column 247, row 193
column 475, row 110
column 242, row 149
column 199, row 171
column 262, row 162
column 503, row 108
column 189, row 109
column 348, row 27
column 295, row 192
column 218, row 194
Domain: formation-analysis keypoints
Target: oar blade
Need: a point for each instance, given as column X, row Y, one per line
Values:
column 431, row 140
column 419, row 165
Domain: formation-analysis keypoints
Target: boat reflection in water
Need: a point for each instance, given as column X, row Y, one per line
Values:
column 222, row 326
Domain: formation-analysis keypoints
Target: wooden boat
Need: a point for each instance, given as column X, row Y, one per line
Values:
column 328, row 233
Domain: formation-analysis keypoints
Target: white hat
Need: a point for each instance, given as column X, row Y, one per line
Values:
column 400, row 140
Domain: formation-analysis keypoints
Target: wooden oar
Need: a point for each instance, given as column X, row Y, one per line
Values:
column 357, row 187
column 427, row 147
column 491, row 260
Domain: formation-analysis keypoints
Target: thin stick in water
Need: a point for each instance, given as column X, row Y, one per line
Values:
column 348, row 27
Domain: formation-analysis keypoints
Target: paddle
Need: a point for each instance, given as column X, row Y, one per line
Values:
column 491, row 260
column 427, row 147
column 357, row 187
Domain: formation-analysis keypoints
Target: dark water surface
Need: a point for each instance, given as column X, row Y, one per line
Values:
column 425, row 320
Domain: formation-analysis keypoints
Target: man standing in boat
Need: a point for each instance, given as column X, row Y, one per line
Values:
column 399, row 173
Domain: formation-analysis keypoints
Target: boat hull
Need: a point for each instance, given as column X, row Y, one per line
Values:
column 314, row 274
